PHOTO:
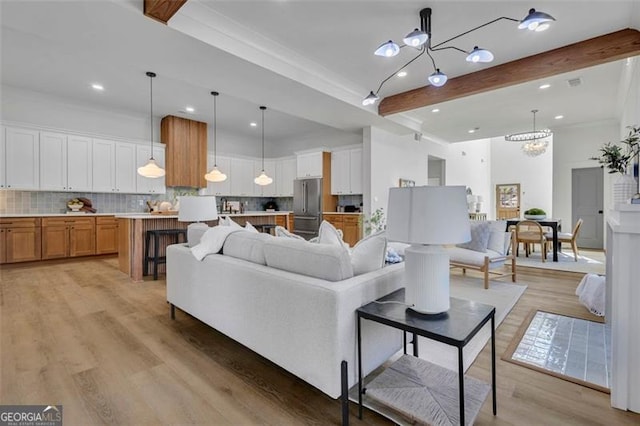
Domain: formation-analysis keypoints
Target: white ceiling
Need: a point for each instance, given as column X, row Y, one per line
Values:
column 310, row 62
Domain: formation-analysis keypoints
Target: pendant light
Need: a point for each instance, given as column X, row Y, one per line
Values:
column 215, row 175
column 151, row 169
column 263, row 179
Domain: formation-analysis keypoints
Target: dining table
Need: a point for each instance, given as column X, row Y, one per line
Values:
column 554, row 224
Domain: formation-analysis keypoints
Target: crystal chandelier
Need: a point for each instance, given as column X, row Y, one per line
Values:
column 535, row 142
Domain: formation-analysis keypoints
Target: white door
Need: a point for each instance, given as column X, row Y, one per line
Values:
column 587, row 203
column 286, row 177
column 242, row 182
column 22, row 149
column 309, row 165
column 3, row 157
column 53, row 161
column 126, row 170
column 103, row 165
column 79, row 163
column 340, row 172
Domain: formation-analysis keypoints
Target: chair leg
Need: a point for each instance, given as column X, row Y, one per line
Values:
column 574, row 246
column 486, row 273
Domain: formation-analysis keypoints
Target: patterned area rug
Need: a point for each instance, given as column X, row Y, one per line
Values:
column 573, row 349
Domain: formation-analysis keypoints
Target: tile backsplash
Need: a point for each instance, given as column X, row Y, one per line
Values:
column 43, row 202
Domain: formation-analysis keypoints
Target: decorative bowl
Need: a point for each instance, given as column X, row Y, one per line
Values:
column 75, row 207
column 535, row 216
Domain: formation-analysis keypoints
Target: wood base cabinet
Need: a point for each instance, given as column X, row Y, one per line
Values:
column 20, row 240
column 350, row 225
column 106, row 235
column 68, row 237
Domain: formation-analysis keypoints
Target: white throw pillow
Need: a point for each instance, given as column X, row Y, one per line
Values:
column 328, row 234
column 248, row 246
column 227, row 221
column 369, row 253
column 479, row 237
column 212, row 241
column 497, row 231
column 282, row 232
column 249, row 227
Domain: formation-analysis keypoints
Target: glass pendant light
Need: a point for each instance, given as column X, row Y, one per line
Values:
column 438, row 78
column 151, row 169
column 371, row 99
column 387, row 49
column 416, row 38
column 536, row 21
column 215, row 175
column 263, row 179
column 479, row 54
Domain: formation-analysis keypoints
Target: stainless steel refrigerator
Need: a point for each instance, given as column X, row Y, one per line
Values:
column 307, row 207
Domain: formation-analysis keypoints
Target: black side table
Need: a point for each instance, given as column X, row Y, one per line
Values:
column 456, row 327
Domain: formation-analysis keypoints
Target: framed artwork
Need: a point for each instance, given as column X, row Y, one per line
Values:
column 404, row 183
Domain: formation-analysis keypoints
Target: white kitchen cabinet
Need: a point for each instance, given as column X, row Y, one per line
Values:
column 224, row 165
column 270, row 170
column 65, row 162
column 242, row 180
column 3, row 156
column 346, row 172
column 114, row 166
column 309, row 165
column 285, row 175
column 22, row 158
column 145, row 185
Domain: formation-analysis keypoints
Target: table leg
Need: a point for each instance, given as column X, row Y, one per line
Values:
column 404, row 341
column 415, row 344
column 359, row 371
column 493, row 363
column 461, row 384
column 555, row 243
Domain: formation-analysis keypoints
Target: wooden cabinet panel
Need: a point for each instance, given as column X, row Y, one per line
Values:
column 349, row 225
column 20, row 240
column 82, row 240
column 186, row 151
column 106, row 235
column 68, row 237
column 281, row 220
column 55, row 241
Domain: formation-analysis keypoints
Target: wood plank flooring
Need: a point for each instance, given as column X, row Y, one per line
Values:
column 81, row 334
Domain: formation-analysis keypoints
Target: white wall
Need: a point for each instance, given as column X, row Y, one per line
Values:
column 387, row 159
column 534, row 174
column 469, row 164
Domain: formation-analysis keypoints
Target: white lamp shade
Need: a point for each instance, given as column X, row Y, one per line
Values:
column 437, row 79
column 428, row 215
column 263, row 179
column 197, row 209
column 215, row 175
column 151, row 170
column 387, row 49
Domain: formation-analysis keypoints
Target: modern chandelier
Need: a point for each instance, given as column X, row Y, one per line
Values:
column 215, row 175
column 421, row 40
column 535, row 142
column 263, row 179
column 151, row 169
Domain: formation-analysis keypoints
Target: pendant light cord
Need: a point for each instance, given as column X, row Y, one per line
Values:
column 151, row 75
column 215, row 130
column 263, row 108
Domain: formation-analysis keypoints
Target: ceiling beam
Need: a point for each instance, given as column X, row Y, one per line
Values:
column 595, row 51
column 162, row 10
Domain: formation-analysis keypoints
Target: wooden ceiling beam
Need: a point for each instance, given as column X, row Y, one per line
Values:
column 162, row 10
column 595, row 51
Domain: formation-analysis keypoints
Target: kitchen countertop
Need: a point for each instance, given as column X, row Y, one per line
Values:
column 58, row 214
column 172, row 216
column 345, row 213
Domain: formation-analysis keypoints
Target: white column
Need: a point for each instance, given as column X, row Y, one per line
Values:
column 623, row 304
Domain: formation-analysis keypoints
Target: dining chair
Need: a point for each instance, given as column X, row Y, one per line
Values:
column 568, row 237
column 530, row 232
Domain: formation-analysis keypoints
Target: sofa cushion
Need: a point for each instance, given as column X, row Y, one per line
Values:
column 194, row 234
column 472, row 257
column 479, row 237
column 328, row 234
column 248, row 246
column 212, row 241
column 227, row 221
column 497, row 231
column 369, row 253
column 324, row 261
column 249, row 227
column 282, row 232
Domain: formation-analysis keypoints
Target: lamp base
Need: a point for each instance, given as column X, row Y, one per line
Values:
column 427, row 275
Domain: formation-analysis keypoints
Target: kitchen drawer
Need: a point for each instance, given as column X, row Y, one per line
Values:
column 351, row 219
column 62, row 221
column 22, row 222
column 106, row 220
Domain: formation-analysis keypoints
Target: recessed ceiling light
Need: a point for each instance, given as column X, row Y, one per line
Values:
column 96, row 86
column 402, row 74
column 253, row 124
column 475, row 129
column 190, row 109
column 435, row 110
column 559, row 117
column 545, row 86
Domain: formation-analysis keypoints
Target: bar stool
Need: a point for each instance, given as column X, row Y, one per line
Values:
column 267, row 227
column 156, row 258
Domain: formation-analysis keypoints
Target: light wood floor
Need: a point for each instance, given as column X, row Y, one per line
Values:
column 79, row 333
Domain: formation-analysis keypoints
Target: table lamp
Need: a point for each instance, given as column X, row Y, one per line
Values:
column 428, row 217
column 197, row 209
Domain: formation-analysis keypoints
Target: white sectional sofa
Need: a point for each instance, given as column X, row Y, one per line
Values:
column 305, row 324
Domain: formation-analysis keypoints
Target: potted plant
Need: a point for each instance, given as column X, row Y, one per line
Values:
column 535, row 214
column 617, row 159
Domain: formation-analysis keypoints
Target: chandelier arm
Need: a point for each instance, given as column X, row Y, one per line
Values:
column 423, row 50
column 450, row 47
column 433, row 61
column 474, row 29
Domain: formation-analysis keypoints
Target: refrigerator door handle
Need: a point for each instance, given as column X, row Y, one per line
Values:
column 304, row 197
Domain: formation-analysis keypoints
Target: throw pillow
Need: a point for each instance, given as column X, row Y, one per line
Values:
column 212, row 241
column 328, row 234
column 249, row 227
column 282, row 232
column 479, row 237
column 369, row 253
column 227, row 221
column 497, row 235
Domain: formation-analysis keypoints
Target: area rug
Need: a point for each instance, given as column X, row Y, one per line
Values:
column 589, row 261
column 573, row 349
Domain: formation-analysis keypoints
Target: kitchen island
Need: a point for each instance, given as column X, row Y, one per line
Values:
column 133, row 227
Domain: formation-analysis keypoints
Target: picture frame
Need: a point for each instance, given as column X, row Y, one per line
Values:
column 405, row 183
